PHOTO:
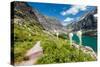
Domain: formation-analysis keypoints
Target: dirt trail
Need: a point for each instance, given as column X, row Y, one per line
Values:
column 33, row 54
column 27, row 63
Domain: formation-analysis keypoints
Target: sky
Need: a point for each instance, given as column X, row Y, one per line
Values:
column 65, row 13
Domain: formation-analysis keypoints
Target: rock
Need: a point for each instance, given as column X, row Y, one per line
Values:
column 19, row 21
column 90, row 51
column 75, row 45
column 86, row 49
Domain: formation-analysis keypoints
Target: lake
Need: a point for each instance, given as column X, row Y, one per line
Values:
column 87, row 41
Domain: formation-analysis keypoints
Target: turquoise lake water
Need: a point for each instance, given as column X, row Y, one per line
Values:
column 87, row 41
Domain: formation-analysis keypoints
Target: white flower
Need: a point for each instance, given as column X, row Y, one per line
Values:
column 70, row 36
column 79, row 34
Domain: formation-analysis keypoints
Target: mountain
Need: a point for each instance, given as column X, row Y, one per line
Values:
column 87, row 22
column 22, row 10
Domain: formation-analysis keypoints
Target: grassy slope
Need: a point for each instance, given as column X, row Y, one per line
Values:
column 55, row 50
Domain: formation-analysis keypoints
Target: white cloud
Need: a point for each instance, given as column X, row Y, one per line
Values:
column 63, row 13
column 95, row 15
column 68, row 19
column 74, row 10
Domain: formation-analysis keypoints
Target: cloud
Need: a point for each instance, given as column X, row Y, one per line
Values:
column 68, row 19
column 74, row 10
column 95, row 15
column 63, row 13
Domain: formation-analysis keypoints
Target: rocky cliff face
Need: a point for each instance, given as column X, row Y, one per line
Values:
column 86, row 22
column 23, row 12
column 49, row 23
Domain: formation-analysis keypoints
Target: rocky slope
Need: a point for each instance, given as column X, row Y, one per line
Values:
column 87, row 22
column 22, row 11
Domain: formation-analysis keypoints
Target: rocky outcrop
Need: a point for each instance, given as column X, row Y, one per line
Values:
column 86, row 50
